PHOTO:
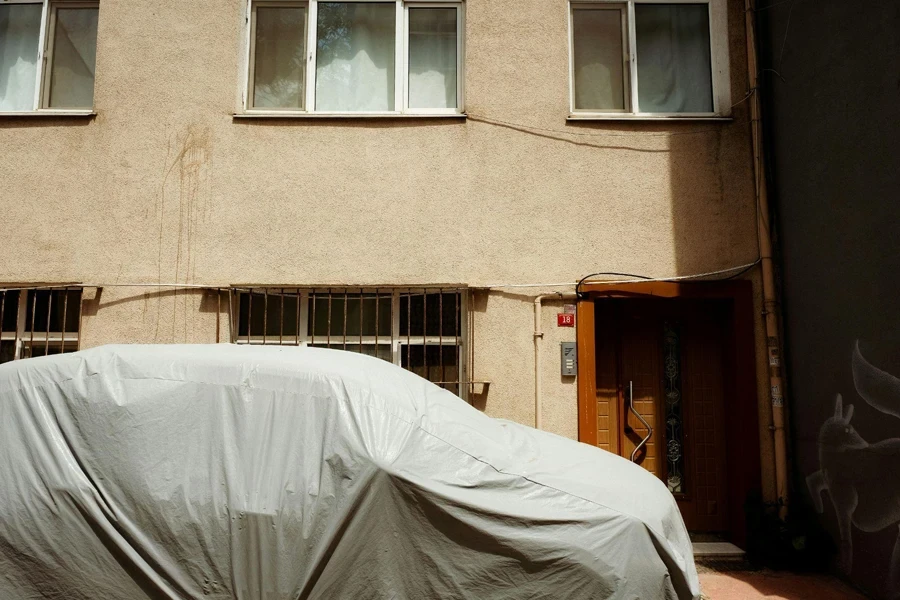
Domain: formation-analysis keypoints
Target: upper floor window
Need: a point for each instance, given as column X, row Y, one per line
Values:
column 647, row 58
column 48, row 50
column 355, row 57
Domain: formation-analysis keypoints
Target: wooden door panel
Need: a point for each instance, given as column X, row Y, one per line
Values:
column 607, row 382
column 640, row 367
column 705, row 503
column 630, row 348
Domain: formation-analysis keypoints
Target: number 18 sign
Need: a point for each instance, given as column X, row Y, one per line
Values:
column 565, row 320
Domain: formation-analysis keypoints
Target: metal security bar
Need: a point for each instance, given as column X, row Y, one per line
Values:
column 419, row 329
column 39, row 322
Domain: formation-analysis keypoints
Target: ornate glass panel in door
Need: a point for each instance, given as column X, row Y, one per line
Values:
column 675, row 472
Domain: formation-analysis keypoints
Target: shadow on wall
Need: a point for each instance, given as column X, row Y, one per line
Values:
column 116, row 315
column 478, row 394
column 833, row 159
column 714, row 230
column 862, row 479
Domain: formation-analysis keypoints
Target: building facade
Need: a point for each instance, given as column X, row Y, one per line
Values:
column 835, row 184
column 405, row 179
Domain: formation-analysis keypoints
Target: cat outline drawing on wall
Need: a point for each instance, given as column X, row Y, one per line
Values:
column 862, row 479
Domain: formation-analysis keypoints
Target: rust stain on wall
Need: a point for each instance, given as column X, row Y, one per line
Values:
column 182, row 207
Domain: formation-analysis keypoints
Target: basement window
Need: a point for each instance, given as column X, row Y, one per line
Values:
column 48, row 52
column 354, row 58
column 648, row 59
column 421, row 330
column 39, row 322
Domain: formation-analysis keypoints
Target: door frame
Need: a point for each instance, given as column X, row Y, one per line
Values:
column 741, row 418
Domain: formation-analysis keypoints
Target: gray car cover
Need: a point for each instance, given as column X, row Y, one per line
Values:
column 130, row 472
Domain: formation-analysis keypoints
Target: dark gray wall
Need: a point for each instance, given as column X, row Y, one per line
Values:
column 832, row 100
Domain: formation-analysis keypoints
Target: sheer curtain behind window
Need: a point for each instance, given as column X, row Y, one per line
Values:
column 74, row 57
column 280, row 60
column 598, row 59
column 673, row 58
column 355, row 56
column 20, row 26
column 432, row 58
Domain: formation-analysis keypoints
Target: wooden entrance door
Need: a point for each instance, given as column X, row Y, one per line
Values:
column 661, row 386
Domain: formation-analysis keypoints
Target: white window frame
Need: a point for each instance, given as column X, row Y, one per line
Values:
column 719, row 62
column 251, row 40
column 401, row 62
column 45, row 56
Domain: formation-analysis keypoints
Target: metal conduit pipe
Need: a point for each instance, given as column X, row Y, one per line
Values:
column 770, row 299
column 538, row 336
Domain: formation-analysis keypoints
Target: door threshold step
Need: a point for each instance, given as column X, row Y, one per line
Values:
column 717, row 550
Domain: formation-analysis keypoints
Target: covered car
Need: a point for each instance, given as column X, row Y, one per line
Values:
column 226, row 471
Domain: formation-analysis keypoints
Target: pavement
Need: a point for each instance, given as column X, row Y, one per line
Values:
column 772, row 585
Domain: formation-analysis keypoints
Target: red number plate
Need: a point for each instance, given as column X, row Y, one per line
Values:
column 565, row 320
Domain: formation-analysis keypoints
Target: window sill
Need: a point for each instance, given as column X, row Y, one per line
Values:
column 625, row 117
column 340, row 115
column 48, row 113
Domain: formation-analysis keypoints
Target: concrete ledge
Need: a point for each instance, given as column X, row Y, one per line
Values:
column 716, row 550
column 656, row 118
column 45, row 113
column 341, row 116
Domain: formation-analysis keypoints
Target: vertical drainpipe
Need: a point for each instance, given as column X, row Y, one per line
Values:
column 538, row 336
column 770, row 300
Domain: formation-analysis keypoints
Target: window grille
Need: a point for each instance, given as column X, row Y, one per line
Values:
column 39, row 322
column 421, row 330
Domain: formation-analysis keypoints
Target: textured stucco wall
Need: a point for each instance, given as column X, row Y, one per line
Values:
column 152, row 316
column 165, row 186
column 504, row 356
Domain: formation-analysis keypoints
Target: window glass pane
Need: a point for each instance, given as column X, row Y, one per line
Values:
column 382, row 351
column 355, row 56
column 438, row 364
column 42, row 348
column 45, row 310
column 20, row 26
column 74, row 57
column 598, row 59
column 673, row 58
column 280, row 57
column 272, row 314
column 9, row 306
column 7, row 351
column 372, row 313
column 430, row 314
column 432, row 58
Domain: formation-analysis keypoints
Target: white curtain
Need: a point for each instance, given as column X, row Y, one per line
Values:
column 598, row 59
column 20, row 26
column 432, row 58
column 74, row 58
column 280, row 57
column 673, row 58
column 355, row 56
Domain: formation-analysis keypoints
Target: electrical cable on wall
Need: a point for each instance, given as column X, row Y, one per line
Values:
column 632, row 278
column 734, row 272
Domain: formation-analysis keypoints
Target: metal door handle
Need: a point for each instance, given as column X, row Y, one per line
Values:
column 640, row 418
